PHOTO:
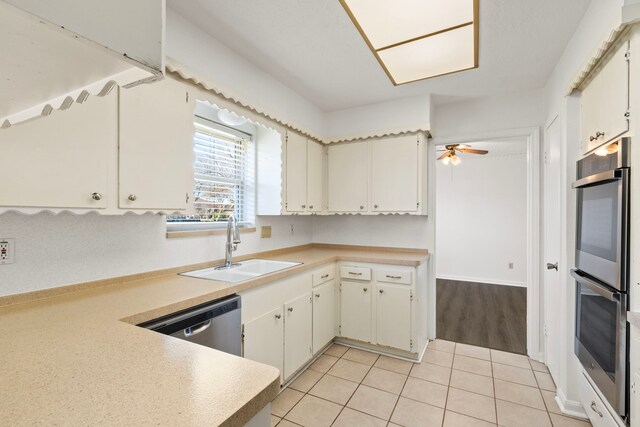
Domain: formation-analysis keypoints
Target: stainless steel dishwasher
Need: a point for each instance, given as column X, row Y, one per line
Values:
column 216, row 324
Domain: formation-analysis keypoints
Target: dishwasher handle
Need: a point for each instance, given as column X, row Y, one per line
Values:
column 196, row 329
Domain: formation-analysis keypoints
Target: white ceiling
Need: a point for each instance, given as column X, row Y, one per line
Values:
column 313, row 47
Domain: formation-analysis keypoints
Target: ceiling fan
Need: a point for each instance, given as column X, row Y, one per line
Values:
column 450, row 156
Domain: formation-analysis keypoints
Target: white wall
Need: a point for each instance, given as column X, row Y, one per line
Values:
column 481, row 206
column 63, row 249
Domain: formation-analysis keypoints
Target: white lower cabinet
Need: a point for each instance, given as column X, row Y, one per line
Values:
column 324, row 314
column 355, row 310
column 634, row 377
column 297, row 333
column 596, row 410
column 393, row 316
column 264, row 340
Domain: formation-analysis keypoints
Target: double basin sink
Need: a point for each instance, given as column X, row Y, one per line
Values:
column 245, row 270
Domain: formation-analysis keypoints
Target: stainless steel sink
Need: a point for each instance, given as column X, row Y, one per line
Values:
column 242, row 271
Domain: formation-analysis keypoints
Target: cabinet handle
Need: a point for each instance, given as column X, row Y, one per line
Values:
column 310, row 206
column 393, row 277
column 364, row 289
column 599, row 134
column 317, row 295
column 290, row 309
column 96, row 196
column 278, row 316
column 324, row 276
column 595, row 408
column 186, row 198
column 381, row 291
column 132, row 197
column 353, row 273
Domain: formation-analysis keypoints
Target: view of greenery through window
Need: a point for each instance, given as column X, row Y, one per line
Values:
column 219, row 176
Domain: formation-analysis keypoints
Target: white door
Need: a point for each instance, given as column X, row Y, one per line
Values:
column 394, row 174
column 393, row 316
column 355, row 310
column 263, row 339
column 296, row 173
column 156, row 146
column 324, row 314
column 314, row 176
column 297, row 333
column 62, row 160
column 348, row 169
column 552, row 247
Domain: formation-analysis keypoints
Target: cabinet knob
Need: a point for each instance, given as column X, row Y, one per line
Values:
column 375, row 206
column 278, row 316
column 96, row 196
column 290, row 309
column 132, row 197
column 381, row 291
column 304, row 206
column 317, row 295
column 365, row 289
column 361, row 207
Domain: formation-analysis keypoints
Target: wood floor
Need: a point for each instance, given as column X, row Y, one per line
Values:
column 492, row 316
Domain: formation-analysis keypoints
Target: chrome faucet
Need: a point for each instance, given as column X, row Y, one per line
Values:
column 233, row 238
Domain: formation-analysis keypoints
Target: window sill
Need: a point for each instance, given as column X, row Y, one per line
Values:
column 201, row 233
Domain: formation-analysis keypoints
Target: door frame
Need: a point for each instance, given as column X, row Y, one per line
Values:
column 534, row 204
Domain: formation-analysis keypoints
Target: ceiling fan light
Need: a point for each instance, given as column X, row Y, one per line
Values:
column 446, row 160
column 455, row 160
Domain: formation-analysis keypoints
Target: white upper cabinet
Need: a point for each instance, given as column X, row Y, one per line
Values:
column 296, row 164
column 156, row 146
column 605, row 101
column 315, row 176
column 348, row 177
column 63, row 160
column 394, row 174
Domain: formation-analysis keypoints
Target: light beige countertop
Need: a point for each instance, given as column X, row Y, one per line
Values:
column 73, row 356
column 633, row 317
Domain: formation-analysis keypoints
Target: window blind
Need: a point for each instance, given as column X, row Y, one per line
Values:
column 219, row 174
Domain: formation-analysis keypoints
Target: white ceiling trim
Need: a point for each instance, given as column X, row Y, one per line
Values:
column 248, row 110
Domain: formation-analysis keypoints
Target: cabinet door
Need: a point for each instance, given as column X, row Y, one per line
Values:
column 156, row 146
column 263, row 339
column 394, row 174
column 348, row 170
column 635, row 395
column 605, row 101
column 61, row 160
column 297, row 333
column 393, row 316
column 355, row 310
column 324, row 314
column 296, row 173
column 314, row 177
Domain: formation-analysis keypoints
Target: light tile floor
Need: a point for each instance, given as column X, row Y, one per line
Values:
column 456, row 385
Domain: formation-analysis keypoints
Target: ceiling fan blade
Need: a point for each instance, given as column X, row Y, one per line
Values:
column 473, row 151
column 443, row 156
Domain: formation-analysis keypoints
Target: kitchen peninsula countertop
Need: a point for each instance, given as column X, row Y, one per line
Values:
column 73, row 355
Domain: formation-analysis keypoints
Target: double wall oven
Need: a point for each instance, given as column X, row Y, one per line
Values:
column 602, row 271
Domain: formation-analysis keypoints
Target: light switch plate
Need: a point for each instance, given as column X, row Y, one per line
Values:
column 265, row 231
column 7, row 251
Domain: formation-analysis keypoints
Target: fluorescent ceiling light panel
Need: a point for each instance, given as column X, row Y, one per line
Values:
column 418, row 39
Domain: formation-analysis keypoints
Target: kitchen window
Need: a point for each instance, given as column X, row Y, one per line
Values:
column 223, row 178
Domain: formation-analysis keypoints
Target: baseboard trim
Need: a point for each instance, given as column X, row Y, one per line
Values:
column 481, row 280
column 570, row 407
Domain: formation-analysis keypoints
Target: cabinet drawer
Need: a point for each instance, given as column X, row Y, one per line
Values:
column 593, row 405
column 394, row 276
column 355, row 273
column 324, row 275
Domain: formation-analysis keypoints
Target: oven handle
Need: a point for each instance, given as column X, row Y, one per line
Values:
column 598, row 178
column 595, row 287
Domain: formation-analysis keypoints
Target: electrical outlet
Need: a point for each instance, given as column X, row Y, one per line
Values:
column 265, row 231
column 510, row 266
column 7, row 251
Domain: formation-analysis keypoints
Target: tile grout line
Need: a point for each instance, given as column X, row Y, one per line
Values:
column 493, row 382
column 446, row 400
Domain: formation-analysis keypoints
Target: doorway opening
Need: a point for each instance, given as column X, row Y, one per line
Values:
column 482, row 240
